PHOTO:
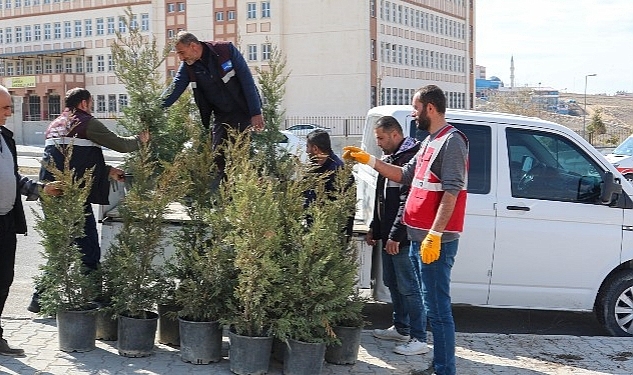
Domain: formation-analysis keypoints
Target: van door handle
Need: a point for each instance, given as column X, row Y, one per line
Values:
column 518, row 208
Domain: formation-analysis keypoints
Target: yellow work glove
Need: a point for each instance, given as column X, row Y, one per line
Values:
column 353, row 153
column 430, row 247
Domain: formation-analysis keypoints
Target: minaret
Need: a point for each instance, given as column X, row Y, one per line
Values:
column 512, row 73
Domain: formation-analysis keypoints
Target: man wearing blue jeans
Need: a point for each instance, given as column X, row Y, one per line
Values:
column 434, row 212
column 400, row 267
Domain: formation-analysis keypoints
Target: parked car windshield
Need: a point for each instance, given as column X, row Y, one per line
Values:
column 625, row 148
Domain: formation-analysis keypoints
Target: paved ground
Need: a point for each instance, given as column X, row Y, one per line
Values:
column 477, row 354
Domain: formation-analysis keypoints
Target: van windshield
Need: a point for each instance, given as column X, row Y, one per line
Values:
column 625, row 148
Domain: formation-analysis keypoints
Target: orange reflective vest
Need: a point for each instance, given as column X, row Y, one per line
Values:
column 426, row 190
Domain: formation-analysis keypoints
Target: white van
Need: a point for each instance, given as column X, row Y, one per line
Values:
column 548, row 223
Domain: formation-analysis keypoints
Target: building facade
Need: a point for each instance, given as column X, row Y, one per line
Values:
column 343, row 57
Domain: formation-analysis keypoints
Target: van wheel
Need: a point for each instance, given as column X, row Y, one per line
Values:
column 615, row 307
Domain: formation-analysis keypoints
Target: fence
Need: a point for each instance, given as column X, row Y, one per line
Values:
column 342, row 126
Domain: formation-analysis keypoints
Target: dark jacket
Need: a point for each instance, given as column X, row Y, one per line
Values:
column 389, row 203
column 331, row 165
column 25, row 186
column 83, row 157
column 223, row 85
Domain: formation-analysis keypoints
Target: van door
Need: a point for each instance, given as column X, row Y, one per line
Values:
column 470, row 279
column 554, row 240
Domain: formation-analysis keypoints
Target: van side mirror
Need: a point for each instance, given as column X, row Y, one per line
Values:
column 610, row 187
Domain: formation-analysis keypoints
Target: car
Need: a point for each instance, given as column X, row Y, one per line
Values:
column 293, row 145
column 622, row 158
column 305, row 129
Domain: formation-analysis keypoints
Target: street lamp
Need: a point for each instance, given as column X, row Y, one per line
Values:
column 584, row 112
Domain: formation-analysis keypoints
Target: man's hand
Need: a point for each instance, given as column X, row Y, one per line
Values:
column 430, row 247
column 116, row 174
column 53, row 188
column 369, row 238
column 144, row 136
column 257, row 122
column 392, row 247
column 357, row 154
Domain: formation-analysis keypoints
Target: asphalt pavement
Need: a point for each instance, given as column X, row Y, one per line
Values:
column 488, row 341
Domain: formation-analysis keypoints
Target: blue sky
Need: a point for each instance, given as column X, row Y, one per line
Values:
column 558, row 42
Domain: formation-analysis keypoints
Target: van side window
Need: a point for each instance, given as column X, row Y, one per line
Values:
column 549, row 167
column 479, row 156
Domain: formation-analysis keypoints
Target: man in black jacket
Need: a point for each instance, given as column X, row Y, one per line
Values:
column 12, row 219
column 401, row 270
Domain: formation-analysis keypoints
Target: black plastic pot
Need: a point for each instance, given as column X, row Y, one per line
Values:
column 249, row 355
column 137, row 335
column 77, row 330
column 200, row 342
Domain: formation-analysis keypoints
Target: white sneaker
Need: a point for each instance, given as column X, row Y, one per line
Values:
column 390, row 334
column 412, row 347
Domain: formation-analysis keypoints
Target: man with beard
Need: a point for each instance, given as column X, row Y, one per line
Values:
column 400, row 266
column 434, row 212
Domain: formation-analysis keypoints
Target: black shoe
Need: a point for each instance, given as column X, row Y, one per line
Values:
column 6, row 349
column 34, row 306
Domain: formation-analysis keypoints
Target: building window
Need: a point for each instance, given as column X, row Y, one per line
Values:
column 170, row 33
column 18, row 34
column 171, row 8
column 7, row 4
column 88, row 27
column 88, row 64
column 28, row 67
column 37, row 30
column 100, row 28
column 68, row 63
column 181, row 7
column 112, row 103
column 122, row 101
column 18, row 3
column 251, row 11
column 57, row 26
column 9, row 35
column 110, row 63
column 230, row 15
column 78, row 29
column 18, row 68
column 79, row 64
column 134, row 22
column 145, row 22
column 59, row 67
column 252, row 52
column 38, row 66
column 110, row 25
column 100, row 63
column 28, row 35
column 10, row 71
column 372, row 9
column 373, row 50
column 265, row 9
column 122, row 25
column 48, row 66
column 266, row 50
column 219, row 16
column 68, row 32
column 101, row 106
column 1, row 36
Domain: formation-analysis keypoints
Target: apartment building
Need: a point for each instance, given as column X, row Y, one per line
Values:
column 343, row 57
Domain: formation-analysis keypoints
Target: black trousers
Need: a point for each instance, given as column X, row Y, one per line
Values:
column 8, row 243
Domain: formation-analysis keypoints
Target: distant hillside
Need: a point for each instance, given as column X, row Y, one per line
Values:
column 617, row 113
